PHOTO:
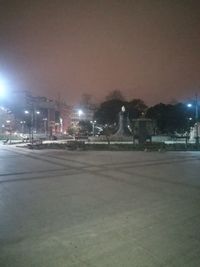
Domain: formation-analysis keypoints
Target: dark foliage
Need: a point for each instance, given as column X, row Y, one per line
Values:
column 169, row 118
column 108, row 111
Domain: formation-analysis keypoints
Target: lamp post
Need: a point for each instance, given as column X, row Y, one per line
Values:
column 31, row 125
column 22, row 124
column 36, row 114
column 80, row 113
column 45, row 126
column 93, row 128
column 9, row 128
column 196, row 118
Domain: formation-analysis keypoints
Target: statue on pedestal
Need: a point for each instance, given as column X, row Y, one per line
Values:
column 123, row 127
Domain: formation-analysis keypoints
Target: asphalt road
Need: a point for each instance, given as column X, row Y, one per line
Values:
column 99, row 209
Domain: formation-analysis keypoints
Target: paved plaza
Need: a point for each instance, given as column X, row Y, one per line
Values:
column 99, row 209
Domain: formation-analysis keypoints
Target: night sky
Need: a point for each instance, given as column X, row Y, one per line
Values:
column 148, row 49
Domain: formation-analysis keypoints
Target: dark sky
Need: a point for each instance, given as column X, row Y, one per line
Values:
column 147, row 48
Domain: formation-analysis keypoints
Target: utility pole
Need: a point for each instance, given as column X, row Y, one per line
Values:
column 197, row 119
column 93, row 127
column 32, row 122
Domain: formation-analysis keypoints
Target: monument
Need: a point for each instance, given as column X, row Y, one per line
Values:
column 141, row 130
column 124, row 129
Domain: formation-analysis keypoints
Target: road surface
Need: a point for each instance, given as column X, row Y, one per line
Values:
column 98, row 209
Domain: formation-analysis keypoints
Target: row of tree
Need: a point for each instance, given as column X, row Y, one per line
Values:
column 168, row 118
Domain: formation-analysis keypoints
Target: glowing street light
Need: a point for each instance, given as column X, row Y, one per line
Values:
column 93, row 129
column 45, row 125
column 189, row 105
column 22, row 124
column 80, row 112
column 27, row 112
column 37, row 112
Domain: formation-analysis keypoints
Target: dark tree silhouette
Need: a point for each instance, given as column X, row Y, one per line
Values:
column 108, row 111
column 136, row 108
column 115, row 95
column 169, row 118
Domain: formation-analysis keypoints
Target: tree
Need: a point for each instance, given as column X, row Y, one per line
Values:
column 85, row 127
column 108, row 111
column 180, row 119
column 108, row 131
column 115, row 95
column 86, row 100
column 136, row 108
column 6, row 120
column 169, row 118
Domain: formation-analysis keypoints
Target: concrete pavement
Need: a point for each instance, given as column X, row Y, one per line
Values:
column 86, row 208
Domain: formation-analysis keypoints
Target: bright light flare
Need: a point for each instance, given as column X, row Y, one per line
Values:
column 189, row 105
column 80, row 112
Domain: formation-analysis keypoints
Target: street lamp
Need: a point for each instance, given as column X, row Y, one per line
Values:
column 196, row 118
column 22, row 124
column 45, row 126
column 8, row 122
column 27, row 112
column 80, row 113
column 37, row 112
column 93, row 129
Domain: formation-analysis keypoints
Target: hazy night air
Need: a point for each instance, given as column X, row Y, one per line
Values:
column 147, row 49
